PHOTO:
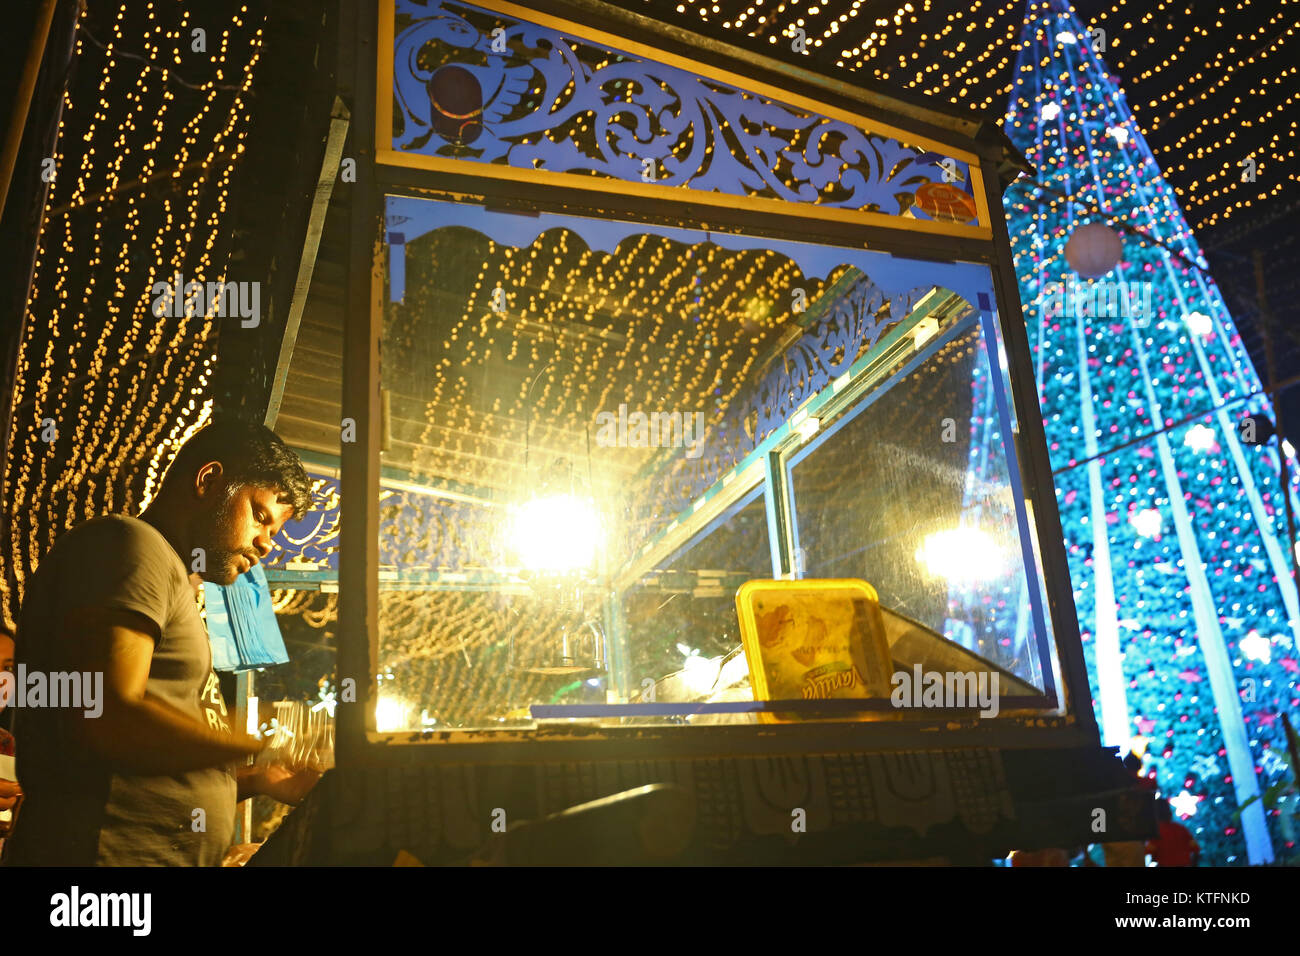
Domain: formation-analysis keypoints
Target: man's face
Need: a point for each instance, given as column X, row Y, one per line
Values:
column 235, row 532
column 6, row 660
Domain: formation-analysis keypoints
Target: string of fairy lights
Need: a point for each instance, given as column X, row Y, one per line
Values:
column 105, row 391
column 690, row 326
column 964, row 53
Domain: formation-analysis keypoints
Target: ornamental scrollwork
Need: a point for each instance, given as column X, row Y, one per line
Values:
column 476, row 86
column 416, row 531
column 312, row 539
column 827, row 349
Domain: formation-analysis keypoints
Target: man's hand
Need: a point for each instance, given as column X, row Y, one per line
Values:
column 10, row 794
column 277, row 782
column 240, row 853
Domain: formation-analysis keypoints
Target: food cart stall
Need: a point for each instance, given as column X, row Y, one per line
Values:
column 692, row 502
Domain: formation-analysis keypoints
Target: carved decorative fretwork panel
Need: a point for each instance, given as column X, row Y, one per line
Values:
column 481, row 87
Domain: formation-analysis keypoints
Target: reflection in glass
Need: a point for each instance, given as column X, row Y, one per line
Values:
column 910, row 491
column 578, row 419
column 683, row 617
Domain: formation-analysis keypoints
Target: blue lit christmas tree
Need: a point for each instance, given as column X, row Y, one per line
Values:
column 1173, row 511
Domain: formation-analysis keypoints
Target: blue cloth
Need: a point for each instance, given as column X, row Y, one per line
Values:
column 242, row 627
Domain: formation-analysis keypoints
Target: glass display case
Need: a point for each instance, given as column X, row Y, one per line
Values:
column 603, row 428
column 635, row 320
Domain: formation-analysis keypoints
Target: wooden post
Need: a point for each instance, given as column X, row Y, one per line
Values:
column 23, row 98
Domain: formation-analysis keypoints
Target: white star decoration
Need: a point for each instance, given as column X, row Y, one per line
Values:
column 1184, row 804
column 1257, row 647
column 1199, row 438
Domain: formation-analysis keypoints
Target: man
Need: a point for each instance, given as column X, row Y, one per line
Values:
column 153, row 779
column 10, row 793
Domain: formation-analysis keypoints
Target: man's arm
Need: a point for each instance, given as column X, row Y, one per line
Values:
column 275, row 781
column 136, row 730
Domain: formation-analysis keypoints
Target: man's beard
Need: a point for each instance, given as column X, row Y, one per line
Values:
column 222, row 563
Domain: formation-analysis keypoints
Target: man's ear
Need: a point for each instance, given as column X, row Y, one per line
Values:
column 207, row 481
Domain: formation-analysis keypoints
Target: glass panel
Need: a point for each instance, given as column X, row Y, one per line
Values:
column 576, row 415
column 684, row 616
column 474, row 658
column 910, row 490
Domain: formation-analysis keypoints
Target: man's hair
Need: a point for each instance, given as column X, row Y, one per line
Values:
column 250, row 454
column 1132, row 762
column 1164, row 812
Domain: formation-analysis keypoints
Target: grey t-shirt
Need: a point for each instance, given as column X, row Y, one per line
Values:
column 78, row 810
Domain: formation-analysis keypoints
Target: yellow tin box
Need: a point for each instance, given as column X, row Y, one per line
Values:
column 813, row 639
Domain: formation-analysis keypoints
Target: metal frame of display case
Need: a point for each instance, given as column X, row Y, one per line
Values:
column 382, row 171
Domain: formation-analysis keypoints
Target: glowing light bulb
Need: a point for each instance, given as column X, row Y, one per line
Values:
column 1066, row 37
column 1051, row 111
column 1147, row 523
column 1199, row 438
column 390, row 714
column 557, row 533
column 1198, row 323
column 962, row 555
